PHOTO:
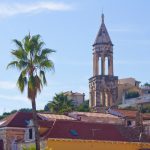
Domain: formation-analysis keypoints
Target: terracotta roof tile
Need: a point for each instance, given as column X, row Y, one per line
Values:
column 127, row 113
column 131, row 113
column 91, row 114
column 84, row 130
column 48, row 116
column 17, row 119
column 146, row 116
column 45, row 123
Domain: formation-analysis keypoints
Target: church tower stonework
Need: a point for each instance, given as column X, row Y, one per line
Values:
column 103, row 85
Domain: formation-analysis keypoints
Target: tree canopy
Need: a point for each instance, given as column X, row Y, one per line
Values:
column 60, row 104
column 31, row 59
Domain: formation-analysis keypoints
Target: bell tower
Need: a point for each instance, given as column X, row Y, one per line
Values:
column 103, row 85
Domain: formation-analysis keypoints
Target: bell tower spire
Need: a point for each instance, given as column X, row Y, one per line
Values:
column 103, row 85
column 102, row 18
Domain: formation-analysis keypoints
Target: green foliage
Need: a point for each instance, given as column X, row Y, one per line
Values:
column 25, row 110
column 129, row 108
column 147, row 84
column 60, row 104
column 145, row 109
column 132, row 95
column 32, row 147
column 5, row 114
column 31, row 59
column 84, row 107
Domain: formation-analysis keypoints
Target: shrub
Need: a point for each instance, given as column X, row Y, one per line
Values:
column 132, row 95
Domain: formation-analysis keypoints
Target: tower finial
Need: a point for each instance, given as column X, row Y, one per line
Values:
column 102, row 18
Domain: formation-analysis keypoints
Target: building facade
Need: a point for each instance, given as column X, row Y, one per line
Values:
column 76, row 97
column 103, row 85
column 126, row 86
column 67, row 144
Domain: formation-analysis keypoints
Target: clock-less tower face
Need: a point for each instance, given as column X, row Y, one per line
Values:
column 103, row 85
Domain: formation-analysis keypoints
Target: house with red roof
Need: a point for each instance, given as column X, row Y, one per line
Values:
column 18, row 127
column 17, row 130
column 133, row 118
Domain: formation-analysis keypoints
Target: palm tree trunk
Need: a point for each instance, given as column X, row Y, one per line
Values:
column 35, row 122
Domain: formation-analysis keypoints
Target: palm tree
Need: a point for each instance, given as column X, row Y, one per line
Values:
column 31, row 59
column 61, row 104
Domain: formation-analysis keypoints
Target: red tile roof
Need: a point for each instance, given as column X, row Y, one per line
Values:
column 45, row 123
column 89, row 131
column 70, row 129
column 20, row 119
column 17, row 119
column 131, row 113
column 126, row 113
column 146, row 116
column 49, row 117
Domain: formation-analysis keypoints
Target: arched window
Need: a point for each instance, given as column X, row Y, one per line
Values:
column 106, row 65
column 100, row 66
column 106, row 99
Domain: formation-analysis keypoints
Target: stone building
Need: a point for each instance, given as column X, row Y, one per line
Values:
column 103, row 85
column 125, row 86
column 77, row 98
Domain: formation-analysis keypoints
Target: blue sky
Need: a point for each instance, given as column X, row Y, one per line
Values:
column 70, row 27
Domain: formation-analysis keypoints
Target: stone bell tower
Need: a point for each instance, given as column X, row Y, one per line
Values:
column 103, row 85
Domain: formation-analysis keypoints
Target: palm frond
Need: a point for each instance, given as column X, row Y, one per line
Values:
column 42, row 75
column 32, row 60
column 47, row 64
column 47, row 51
column 40, row 45
column 31, row 88
column 38, row 83
column 22, row 81
column 27, row 43
column 23, row 64
column 18, row 44
column 12, row 64
column 19, row 54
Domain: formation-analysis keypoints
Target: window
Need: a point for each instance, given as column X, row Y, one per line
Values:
column 30, row 134
column 129, row 123
column 74, row 132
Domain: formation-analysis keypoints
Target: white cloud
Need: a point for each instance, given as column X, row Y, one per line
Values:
column 6, row 85
column 11, row 9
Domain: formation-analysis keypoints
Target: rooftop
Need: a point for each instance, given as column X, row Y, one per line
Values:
column 48, row 116
column 63, row 129
column 21, row 119
column 128, row 113
column 82, row 130
column 91, row 114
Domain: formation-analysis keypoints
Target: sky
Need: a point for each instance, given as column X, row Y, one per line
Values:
column 70, row 27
